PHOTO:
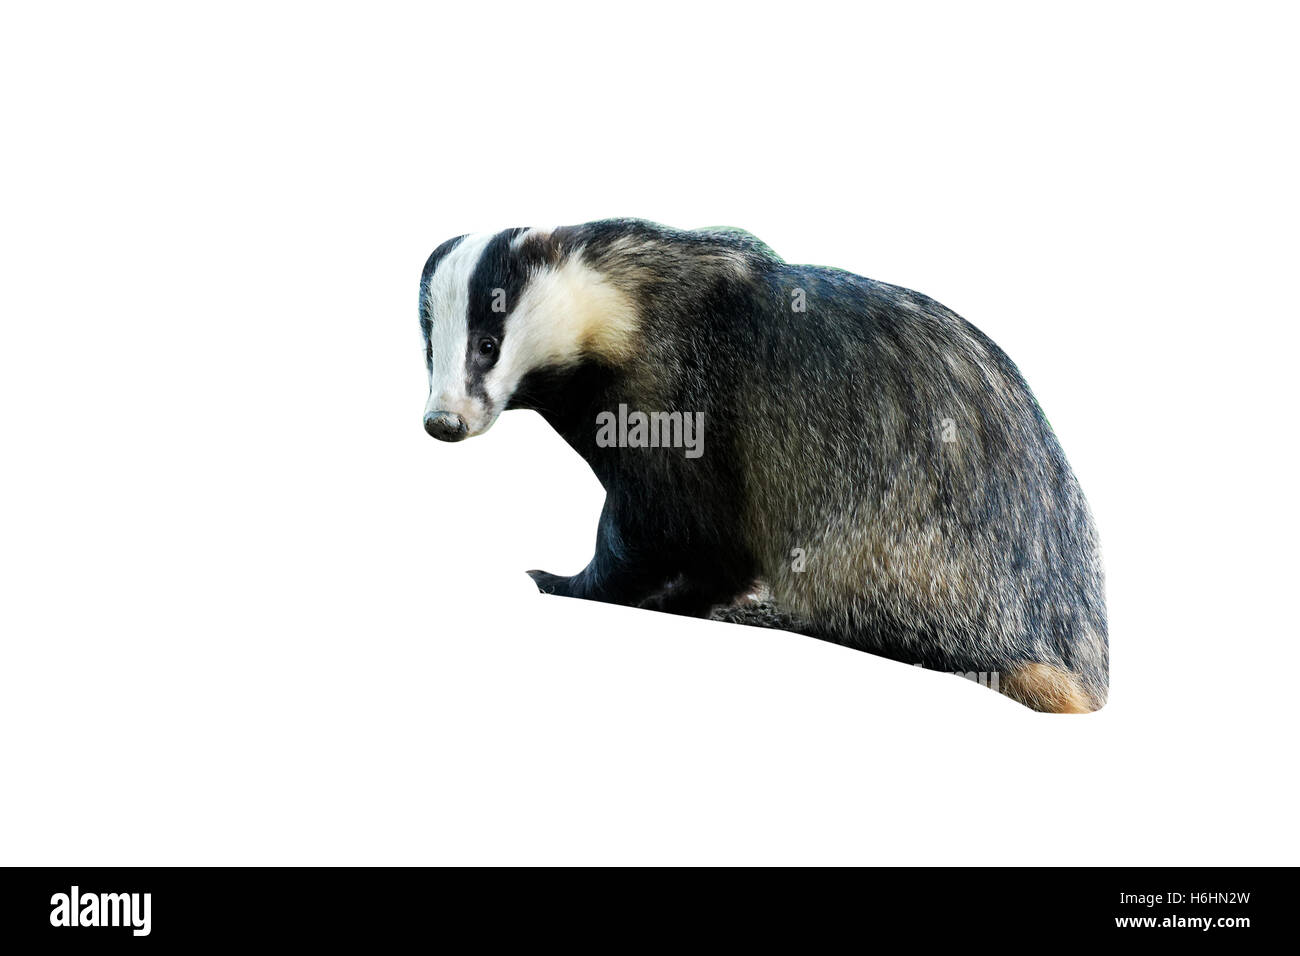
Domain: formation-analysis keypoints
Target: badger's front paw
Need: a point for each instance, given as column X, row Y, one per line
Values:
column 549, row 583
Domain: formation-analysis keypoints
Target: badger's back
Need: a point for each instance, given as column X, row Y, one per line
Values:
column 904, row 491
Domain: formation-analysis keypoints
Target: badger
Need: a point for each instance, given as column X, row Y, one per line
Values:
column 872, row 469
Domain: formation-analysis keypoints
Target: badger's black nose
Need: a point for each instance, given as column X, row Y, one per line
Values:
column 445, row 426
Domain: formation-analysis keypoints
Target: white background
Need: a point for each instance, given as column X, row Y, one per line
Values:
column 253, row 614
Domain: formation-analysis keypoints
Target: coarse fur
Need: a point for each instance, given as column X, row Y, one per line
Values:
column 873, row 460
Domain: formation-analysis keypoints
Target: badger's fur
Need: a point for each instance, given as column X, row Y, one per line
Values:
column 874, row 462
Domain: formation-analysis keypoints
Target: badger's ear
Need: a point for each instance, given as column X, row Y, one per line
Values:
column 538, row 247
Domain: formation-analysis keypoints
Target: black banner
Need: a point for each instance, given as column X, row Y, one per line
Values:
column 147, row 907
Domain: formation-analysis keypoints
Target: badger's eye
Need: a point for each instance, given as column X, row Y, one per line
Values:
column 486, row 347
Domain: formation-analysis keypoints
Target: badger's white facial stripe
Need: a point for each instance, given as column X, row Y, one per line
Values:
column 448, row 309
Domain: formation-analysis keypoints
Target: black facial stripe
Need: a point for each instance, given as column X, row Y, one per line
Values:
column 495, row 285
column 431, row 266
column 495, row 288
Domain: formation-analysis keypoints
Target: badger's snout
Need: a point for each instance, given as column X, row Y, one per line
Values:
column 445, row 426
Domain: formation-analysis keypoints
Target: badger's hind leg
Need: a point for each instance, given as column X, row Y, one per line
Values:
column 754, row 607
column 700, row 594
column 1046, row 688
column 754, row 614
column 1049, row 689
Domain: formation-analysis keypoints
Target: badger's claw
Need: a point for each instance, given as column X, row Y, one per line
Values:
column 549, row 583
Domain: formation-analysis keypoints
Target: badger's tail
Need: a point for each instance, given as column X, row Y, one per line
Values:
column 1051, row 689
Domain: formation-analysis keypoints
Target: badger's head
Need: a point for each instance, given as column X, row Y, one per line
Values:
column 496, row 308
